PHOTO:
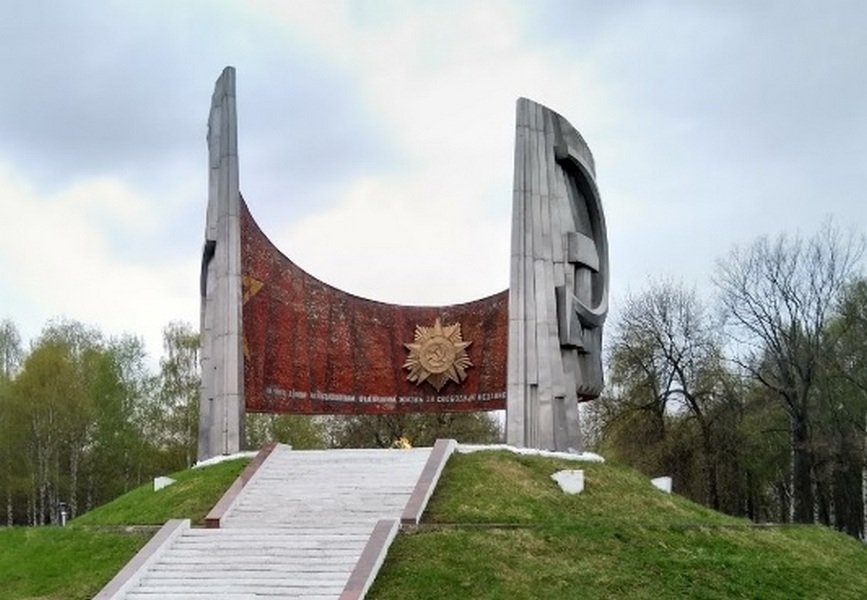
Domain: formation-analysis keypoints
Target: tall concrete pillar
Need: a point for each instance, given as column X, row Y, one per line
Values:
column 221, row 407
column 558, row 292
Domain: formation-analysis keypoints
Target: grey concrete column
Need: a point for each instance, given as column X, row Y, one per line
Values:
column 558, row 284
column 221, row 416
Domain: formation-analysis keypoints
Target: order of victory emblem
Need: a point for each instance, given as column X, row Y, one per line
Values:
column 437, row 355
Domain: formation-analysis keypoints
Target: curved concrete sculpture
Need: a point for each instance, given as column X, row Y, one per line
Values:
column 276, row 339
column 559, row 282
column 312, row 348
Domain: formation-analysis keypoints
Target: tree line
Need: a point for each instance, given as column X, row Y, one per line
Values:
column 754, row 399
column 84, row 419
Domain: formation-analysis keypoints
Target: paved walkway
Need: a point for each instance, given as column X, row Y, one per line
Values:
column 295, row 531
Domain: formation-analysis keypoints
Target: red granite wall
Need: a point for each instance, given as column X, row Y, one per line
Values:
column 312, row 348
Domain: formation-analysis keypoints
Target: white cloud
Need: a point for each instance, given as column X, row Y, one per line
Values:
column 63, row 253
column 444, row 81
column 705, row 134
column 408, row 241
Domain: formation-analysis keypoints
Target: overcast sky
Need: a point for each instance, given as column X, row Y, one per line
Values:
column 376, row 139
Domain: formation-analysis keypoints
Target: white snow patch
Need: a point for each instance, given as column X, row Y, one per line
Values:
column 570, row 481
column 581, row 456
column 162, row 482
column 662, row 483
column 224, row 457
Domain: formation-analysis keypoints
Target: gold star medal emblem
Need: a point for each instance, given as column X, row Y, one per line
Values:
column 437, row 355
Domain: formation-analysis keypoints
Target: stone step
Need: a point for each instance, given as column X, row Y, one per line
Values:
column 222, row 595
column 302, row 590
column 301, row 531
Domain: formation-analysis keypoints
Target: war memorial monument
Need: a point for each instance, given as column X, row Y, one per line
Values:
column 275, row 339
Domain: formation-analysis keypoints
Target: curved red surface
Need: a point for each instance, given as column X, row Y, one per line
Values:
column 312, row 348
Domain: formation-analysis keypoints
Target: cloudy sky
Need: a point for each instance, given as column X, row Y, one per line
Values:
column 376, row 139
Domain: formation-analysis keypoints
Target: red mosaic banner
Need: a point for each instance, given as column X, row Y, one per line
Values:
column 311, row 348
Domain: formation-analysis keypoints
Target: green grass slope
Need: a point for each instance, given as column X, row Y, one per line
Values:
column 193, row 494
column 53, row 563
column 499, row 527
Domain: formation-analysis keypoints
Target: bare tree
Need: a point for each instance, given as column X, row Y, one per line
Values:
column 666, row 344
column 845, row 409
column 179, row 389
column 10, row 349
column 777, row 296
column 10, row 360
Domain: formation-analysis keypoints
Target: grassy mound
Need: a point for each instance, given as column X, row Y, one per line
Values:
column 499, row 527
column 53, row 563
column 193, row 494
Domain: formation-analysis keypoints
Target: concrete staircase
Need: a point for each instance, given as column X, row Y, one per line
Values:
column 242, row 564
column 333, row 487
column 296, row 530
